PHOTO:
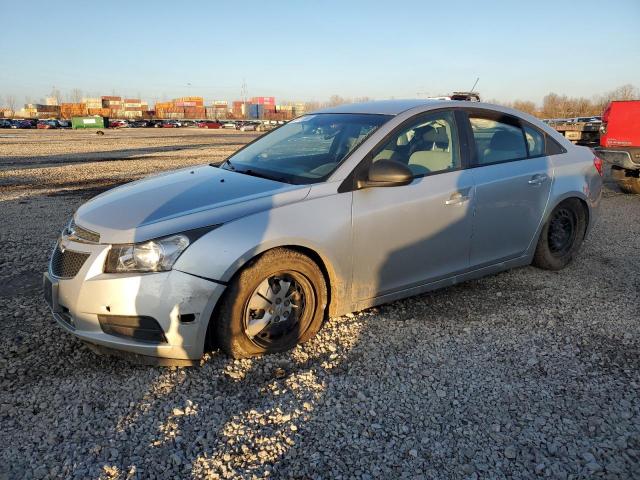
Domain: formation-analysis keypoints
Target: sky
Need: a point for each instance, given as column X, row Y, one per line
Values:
column 309, row 50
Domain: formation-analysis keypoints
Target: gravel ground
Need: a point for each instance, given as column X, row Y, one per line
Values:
column 525, row 374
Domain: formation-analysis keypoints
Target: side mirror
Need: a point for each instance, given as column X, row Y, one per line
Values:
column 387, row 173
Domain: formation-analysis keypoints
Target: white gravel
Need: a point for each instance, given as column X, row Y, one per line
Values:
column 526, row 374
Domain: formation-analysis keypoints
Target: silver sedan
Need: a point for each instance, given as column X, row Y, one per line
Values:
column 334, row 212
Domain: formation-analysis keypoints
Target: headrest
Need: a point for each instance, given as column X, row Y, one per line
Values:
column 506, row 140
column 422, row 132
column 439, row 137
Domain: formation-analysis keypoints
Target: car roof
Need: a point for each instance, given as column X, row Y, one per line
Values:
column 384, row 107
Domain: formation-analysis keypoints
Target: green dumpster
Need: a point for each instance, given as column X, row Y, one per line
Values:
column 89, row 122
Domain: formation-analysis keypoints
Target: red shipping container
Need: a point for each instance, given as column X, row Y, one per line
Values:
column 263, row 100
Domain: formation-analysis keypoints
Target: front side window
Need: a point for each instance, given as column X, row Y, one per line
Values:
column 307, row 149
column 429, row 145
column 497, row 141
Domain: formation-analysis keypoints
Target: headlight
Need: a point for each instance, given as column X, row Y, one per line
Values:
column 152, row 256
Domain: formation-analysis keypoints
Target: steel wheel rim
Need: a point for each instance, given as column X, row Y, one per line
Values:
column 275, row 312
column 562, row 232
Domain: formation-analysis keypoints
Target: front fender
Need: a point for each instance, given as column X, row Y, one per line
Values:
column 322, row 225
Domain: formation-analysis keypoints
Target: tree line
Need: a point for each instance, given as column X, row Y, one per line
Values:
column 563, row 106
column 553, row 104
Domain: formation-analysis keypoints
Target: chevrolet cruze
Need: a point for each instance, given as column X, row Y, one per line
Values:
column 334, row 212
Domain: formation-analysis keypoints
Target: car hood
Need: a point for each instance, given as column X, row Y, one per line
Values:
column 181, row 200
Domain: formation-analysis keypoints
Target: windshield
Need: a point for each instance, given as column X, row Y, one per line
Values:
column 307, row 149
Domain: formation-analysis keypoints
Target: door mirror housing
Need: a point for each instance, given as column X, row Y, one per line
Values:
column 387, row 173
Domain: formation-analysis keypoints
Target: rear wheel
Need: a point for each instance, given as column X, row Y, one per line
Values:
column 561, row 236
column 626, row 183
column 273, row 304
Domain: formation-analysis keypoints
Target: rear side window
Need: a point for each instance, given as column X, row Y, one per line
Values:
column 535, row 141
column 497, row 141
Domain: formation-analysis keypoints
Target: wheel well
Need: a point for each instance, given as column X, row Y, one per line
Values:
column 317, row 259
column 584, row 206
column 210, row 342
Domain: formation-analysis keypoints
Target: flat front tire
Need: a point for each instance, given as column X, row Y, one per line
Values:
column 274, row 303
column 561, row 236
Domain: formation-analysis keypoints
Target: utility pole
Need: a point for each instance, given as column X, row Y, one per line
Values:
column 243, row 96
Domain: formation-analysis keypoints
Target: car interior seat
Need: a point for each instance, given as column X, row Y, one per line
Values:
column 434, row 154
column 504, row 145
column 397, row 151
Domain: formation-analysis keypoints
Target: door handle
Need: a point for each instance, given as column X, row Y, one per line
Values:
column 456, row 199
column 538, row 179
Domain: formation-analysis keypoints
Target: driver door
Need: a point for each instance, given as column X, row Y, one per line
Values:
column 407, row 236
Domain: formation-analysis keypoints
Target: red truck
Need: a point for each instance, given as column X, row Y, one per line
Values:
column 620, row 143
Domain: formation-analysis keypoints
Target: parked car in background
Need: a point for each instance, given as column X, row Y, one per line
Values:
column 337, row 211
column 231, row 125
column 24, row 123
column 64, row 123
column 210, row 124
column 620, row 143
column 139, row 124
column 5, row 123
column 171, row 124
column 118, row 124
column 47, row 124
column 250, row 126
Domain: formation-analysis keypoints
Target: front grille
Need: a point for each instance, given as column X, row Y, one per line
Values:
column 67, row 263
column 144, row 329
column 76, row 232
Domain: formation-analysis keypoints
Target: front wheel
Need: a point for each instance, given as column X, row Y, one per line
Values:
column 561, row 236
column 274, row 303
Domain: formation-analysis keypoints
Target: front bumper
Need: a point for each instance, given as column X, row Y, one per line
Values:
column 181, row 304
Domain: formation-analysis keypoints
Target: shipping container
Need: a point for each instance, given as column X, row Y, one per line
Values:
column 263, row 100
column 255, row 110
column 89, row 122
column 101, row 112
column 69, row 110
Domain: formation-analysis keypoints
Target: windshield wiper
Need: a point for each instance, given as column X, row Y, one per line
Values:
column 226, row 162
column 253, row 173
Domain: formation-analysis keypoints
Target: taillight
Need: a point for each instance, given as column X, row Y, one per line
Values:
column 597, row 162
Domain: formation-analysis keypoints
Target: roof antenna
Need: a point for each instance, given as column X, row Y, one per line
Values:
column 474, row 85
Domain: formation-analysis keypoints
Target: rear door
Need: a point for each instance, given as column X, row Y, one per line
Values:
column 513, row 178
